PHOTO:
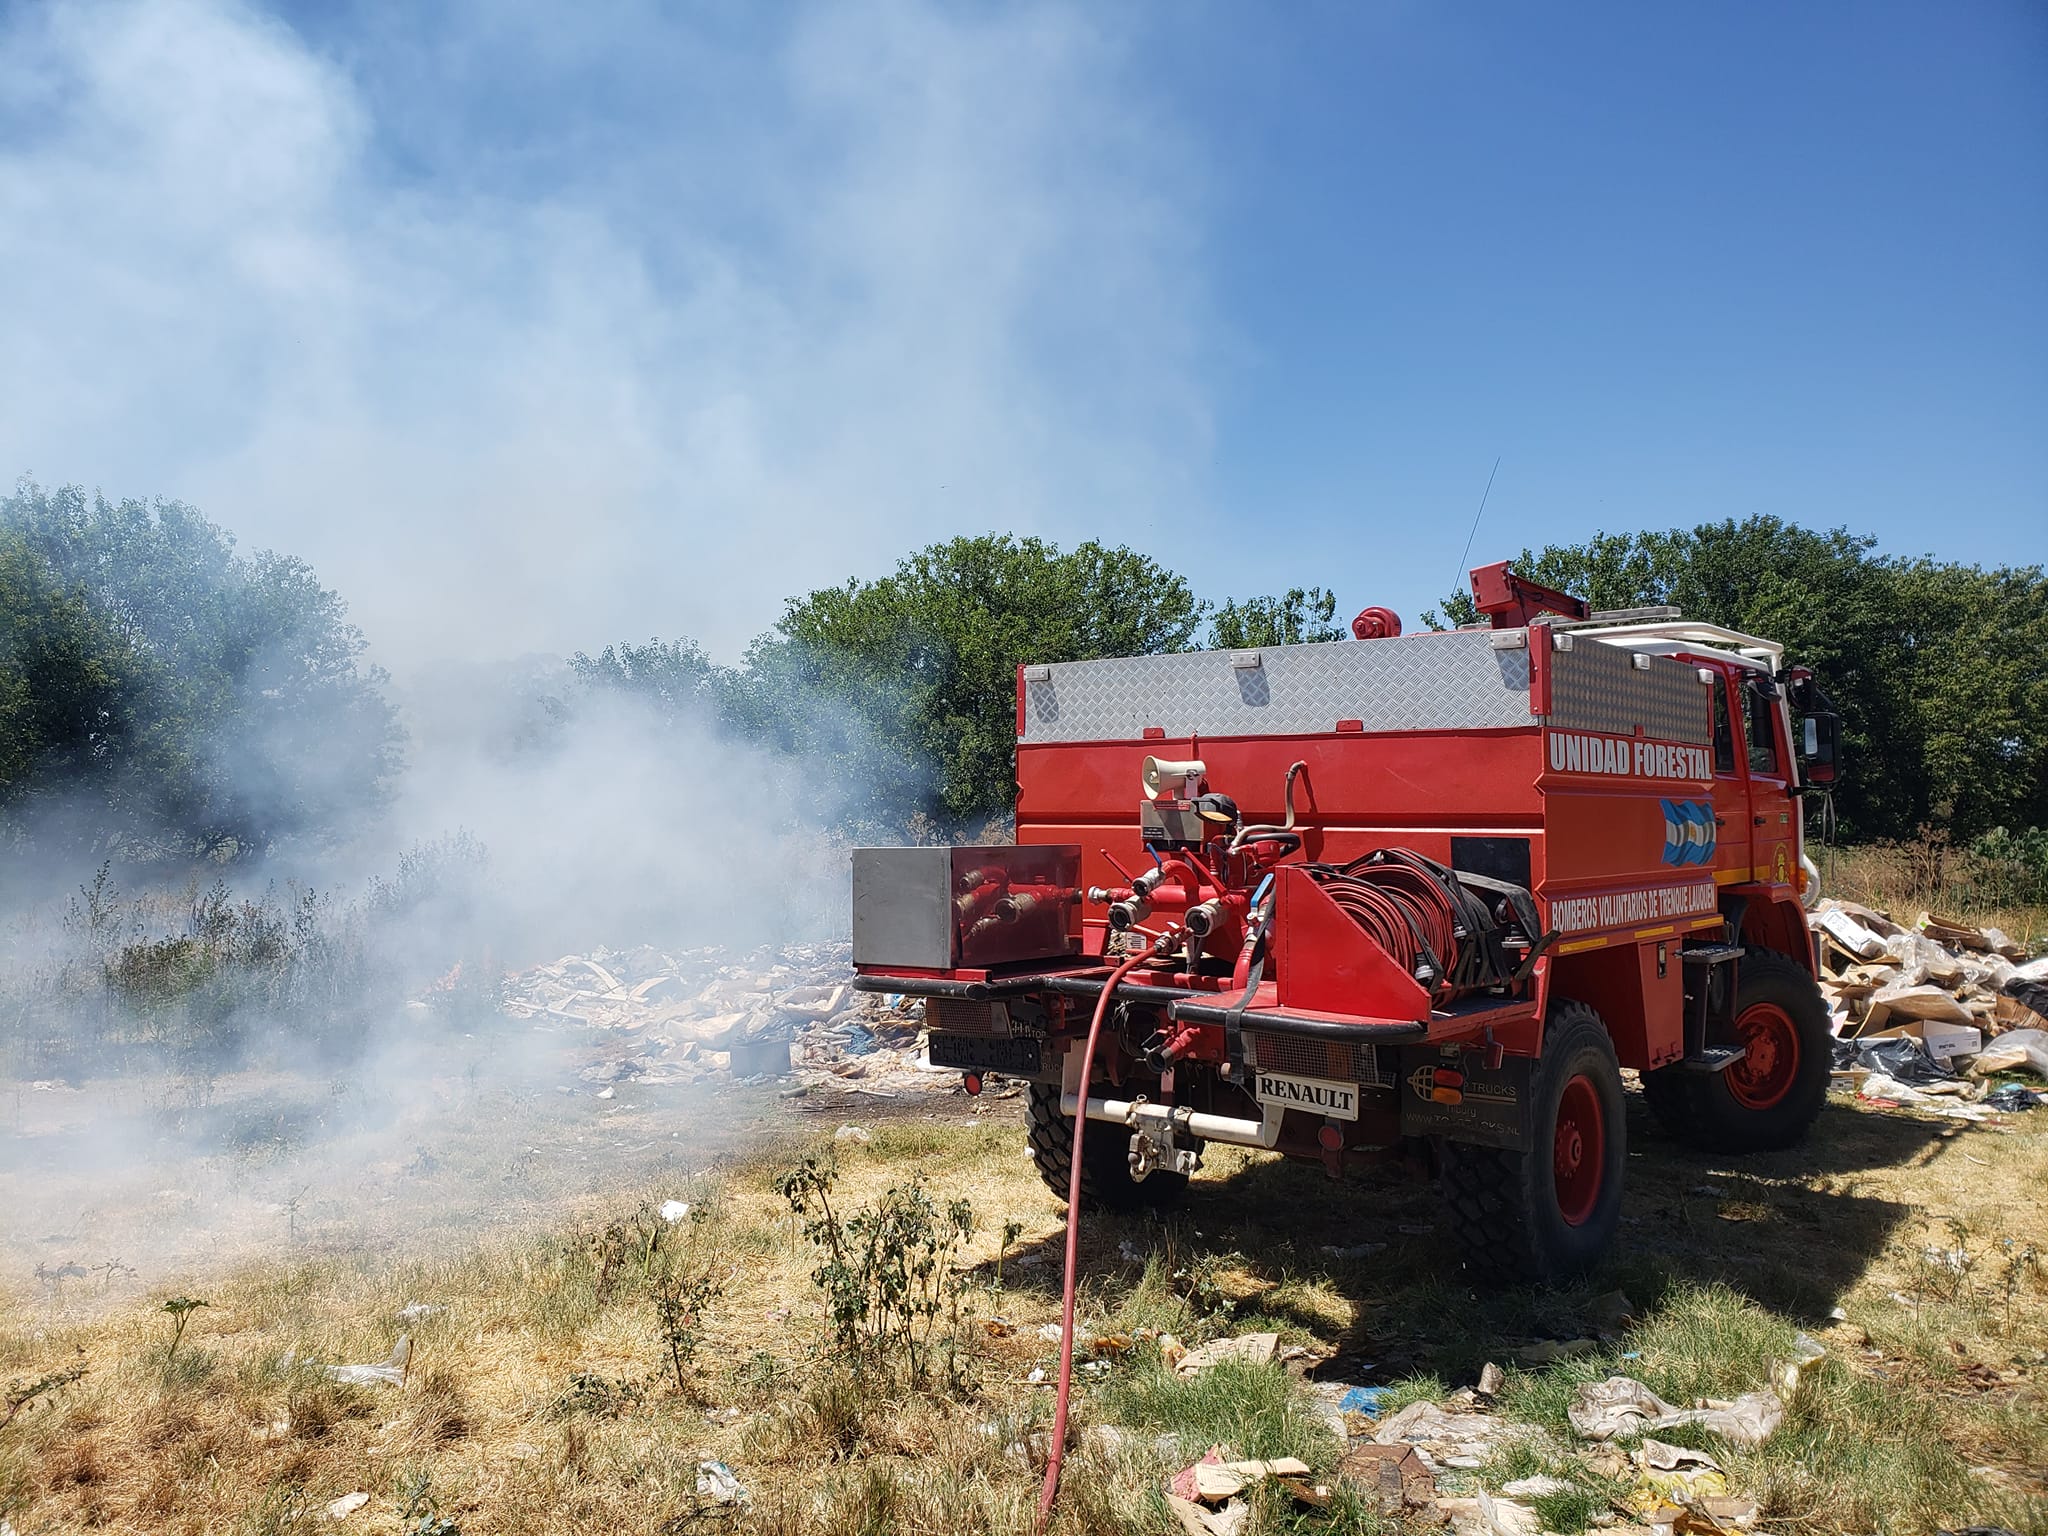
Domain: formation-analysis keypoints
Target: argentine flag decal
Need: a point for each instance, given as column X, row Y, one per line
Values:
column 1688, row 832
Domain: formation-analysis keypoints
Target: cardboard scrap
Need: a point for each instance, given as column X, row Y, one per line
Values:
column 1922, row 1001
column 1252, row 1471
column 1213, row 1481
column 1197, row 1521
column 1250, row 1348
column 1184, row 1481
column 1394, row 1474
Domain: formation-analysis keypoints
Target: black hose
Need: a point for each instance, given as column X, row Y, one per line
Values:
column 1255, row 833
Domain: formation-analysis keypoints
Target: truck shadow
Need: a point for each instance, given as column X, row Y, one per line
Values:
column 1793, row 1230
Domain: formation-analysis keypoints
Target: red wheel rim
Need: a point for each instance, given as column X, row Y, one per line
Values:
column 1770, row 1059
column 1579, row 1158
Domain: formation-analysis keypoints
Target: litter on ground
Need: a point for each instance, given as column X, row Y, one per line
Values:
column 1247, row 1349
column 1621, row 1405
column 388, row 1372
column 716, row 1482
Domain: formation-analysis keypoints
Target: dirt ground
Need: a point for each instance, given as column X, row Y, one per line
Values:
column 540, row 1396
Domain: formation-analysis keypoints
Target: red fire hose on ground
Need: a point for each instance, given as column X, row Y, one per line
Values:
column 1059, row 1419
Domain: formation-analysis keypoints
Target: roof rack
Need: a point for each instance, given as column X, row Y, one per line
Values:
column 1690, row 632
column 1621, row 616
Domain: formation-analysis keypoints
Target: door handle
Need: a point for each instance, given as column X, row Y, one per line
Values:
column 1759, row 820
column 1720, row 821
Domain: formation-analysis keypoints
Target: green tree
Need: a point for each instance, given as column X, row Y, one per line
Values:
column 1302, row 617
column 925, row 659
column 252, row 716
column 70, row 684
column 675, row 676
column 1940, row 670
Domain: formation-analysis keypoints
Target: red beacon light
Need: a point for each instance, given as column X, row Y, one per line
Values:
column 1376, row 624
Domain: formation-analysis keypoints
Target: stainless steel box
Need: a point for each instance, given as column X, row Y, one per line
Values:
column 940, row 909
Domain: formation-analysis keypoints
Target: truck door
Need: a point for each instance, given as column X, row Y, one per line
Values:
column 1772, row 834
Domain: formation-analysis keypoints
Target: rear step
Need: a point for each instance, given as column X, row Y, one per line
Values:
column 1715, row 995
column 1713, row 1059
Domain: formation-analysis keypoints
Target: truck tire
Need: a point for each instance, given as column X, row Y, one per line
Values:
column 1106, row 1182
column 1767, row 1100
column 1547, row 1212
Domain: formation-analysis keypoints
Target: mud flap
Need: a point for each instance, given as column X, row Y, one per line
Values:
column 1451, row 1092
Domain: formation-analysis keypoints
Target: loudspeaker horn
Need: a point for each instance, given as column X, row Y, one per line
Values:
column 1158, row 772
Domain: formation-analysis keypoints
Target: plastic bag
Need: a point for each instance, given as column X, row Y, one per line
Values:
column 2022, row 1050
column 2012, row 1098
column 1902, row 1058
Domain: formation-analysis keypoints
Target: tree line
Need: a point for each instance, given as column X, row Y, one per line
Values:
column 165, row 696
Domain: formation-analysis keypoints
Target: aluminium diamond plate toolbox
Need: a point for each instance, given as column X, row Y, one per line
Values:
column 941, row 909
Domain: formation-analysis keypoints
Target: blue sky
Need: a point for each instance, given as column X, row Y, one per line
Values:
column 1668, row 263
column 535, row 326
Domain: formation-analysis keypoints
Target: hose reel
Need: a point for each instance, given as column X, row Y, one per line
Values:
column 1443, row 934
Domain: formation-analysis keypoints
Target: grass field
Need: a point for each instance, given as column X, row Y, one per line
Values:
column 542, row 1395
column 1907, row 879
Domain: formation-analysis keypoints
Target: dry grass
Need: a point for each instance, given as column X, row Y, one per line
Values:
column 1906, row 879
column 534, row 1405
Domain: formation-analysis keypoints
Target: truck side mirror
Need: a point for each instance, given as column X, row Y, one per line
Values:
column 1819, row 746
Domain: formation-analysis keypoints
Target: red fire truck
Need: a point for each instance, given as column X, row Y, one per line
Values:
column 1402, row 893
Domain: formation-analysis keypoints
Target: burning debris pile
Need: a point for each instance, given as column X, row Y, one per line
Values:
column 1914, row 1007
column 656, row 1018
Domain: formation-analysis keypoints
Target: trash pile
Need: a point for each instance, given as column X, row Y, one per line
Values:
column 1426, row 1464
column 1924, row 1015
column 656, row 1018
column 1421, row 1465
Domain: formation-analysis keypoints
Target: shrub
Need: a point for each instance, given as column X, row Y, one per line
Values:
column 887, row 1273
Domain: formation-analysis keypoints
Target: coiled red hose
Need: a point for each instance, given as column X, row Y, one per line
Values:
column 1058, row 1453
column 1409, row 909
column 1413, row 923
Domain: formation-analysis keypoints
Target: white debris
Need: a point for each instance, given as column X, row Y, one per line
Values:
column 1955, row 986
column 1621, row 1405
column 1353, row 1250
column 1504, row 1517
column 2017, row 1050
column 715, row 1481
column 346, row 1505
column 1446, row 1438
column 1881, row 1086
column 673, row 1211
column 657, row 1019
column 390, row 1372
column 1849, row 933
